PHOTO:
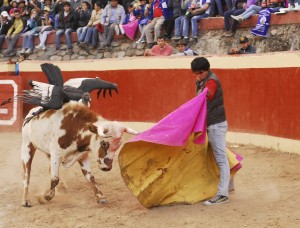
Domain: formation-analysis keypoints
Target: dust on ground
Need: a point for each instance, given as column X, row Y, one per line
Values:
column 267, row 195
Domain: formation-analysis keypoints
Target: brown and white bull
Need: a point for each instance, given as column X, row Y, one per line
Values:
column 67, row 136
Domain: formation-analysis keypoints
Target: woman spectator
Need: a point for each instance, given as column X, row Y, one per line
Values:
column 29, row 32
column 83, row 15
column 91, row 32
column 47, row 28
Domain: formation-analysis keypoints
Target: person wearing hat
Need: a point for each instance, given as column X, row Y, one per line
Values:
column 245, row 47
column 5, row 24
column 184, row 49
column 47, row 28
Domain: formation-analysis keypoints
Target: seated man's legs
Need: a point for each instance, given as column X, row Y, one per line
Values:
column 88, row 35
column 2, row 38
column 68, row 37
column 57, row 38
column 158, row 26
column 194, row 22
column 235, row 23
column 178, row 26
column 227, row 18
column 95, row 37
column 12, row 42
column 185, row 27
column 149, row 31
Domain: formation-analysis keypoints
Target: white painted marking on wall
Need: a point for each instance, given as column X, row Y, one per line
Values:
column 3, row 110
column 13, row 119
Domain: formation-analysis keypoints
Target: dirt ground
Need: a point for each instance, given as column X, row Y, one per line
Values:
column 267, row 195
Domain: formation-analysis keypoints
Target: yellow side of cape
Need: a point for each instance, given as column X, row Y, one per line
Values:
column 163, row 175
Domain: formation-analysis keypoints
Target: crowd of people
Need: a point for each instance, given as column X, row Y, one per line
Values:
column 97, row 21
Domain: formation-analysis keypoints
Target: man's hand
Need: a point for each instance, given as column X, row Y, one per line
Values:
column 233, row 50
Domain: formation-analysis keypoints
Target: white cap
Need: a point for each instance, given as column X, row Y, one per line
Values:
column 4, row 14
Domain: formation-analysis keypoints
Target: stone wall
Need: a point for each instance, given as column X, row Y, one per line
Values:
column 284, row 37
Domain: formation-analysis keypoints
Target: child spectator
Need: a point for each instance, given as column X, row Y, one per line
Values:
column 145, row 15
column 5, row 24
column 91, row 28
column 184, row 50
column 130, row 25
column 66, row 25
column 47, row 28
column 161, row 49
column 13, row 34
column 29, row 32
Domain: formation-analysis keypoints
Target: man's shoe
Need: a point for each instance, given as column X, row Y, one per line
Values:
column 194, row 40
column 217, row 199
column 23, row 51
column 28, row 51
column 228, row 34
column 235, row 17
column 176, row 38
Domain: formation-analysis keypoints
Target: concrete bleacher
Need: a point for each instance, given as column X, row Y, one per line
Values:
column 211, row 23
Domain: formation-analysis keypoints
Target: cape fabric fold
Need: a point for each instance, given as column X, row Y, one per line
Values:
column 167, row 164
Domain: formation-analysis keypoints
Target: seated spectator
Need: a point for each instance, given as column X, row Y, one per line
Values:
column 76, row 4
column 48, row 3
column 294, row 4
column 13, row 7
column 194, row 13
column 130, row 25
column 239, row 7
column 47, row 28
column 84, row 15
column 35, row 4
column 254, row 9
column 179, row 9
column 113, row 14
column 144, row 18
column 5, row 5
column 5, row 24
column 161, row 12
column 22, row 8
column 245, row 47
column 91, row 33
column 29, row 32
column 161, row 49
column 13, row 34
column 219, row 5
column 66, row 25
column 183, row 49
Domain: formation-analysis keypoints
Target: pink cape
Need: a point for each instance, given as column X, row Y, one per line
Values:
column 130, row 28
column 176, row 128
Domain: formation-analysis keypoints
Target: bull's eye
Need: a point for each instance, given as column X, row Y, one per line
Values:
column 103, row 149
column 104, row 145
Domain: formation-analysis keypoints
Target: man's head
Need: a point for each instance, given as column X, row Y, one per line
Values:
column 161, row 41
column 244, row 42
column 181, row 46
column 4, row 15
column 114, row 3
column 17, row 14
column 67, row 6
column 200, row 66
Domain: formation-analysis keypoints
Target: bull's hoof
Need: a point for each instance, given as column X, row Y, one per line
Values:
column 49, row 195
column 42, row 200
column 26, row 203
column 102, row 201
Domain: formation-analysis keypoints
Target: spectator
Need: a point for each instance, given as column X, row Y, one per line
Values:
column 84, row 16
column 254, row 9
column 162, row 48
column 29, row 32
column 195, row 13
column 35, row 4
column 5, row 5
column 5, row 24
column 48, row 3
column 178, row 10
column 113, row 14
column 144, row 18
column 161, row 12
column 76, row 4
column 239, row 7
column 13, row 7
column 47, row 28
column 91, row 28
column 130, row 25
column 66, row 25
column 183, row 49
column 245, row 47
column 13, row 34
column 219, row 5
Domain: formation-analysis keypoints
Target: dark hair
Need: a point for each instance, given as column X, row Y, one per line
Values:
column 161, row 37
column 200, row 63
column 17, row 11
column 87, row 4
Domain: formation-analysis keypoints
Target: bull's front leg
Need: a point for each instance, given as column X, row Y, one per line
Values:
column 55, row 162
column 27, row 154
column 86, row 171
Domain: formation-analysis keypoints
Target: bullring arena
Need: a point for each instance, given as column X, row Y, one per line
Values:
column 261, row 99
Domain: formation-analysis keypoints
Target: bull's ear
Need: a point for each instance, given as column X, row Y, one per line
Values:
column 92, row 128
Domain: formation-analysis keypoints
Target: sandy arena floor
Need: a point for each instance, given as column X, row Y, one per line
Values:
column 267, row 195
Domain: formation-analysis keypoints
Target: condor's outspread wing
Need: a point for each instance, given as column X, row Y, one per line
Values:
column 90, row 84
column 44, row 95
column 53, row 74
